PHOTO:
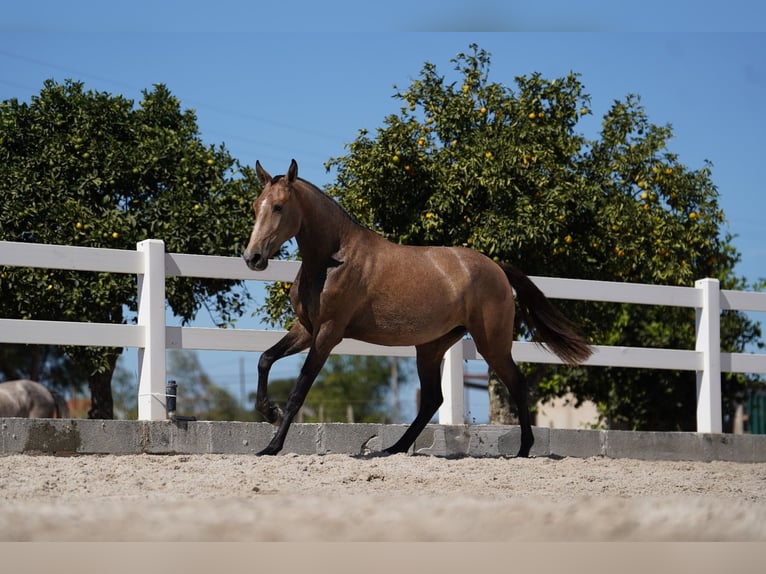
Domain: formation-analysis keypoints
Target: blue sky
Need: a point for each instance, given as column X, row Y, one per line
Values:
column 297, row 79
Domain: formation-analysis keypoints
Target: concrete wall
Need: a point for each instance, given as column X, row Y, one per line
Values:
column 82, row 436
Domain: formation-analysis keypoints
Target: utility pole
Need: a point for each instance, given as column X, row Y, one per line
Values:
column 394, row 384
column 242, row 391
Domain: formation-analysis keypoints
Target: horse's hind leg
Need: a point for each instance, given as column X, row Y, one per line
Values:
column 296, row 340
column 429, row 358
column 508, row 372
column 492, row 331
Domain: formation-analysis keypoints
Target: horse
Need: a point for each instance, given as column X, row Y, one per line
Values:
column 25, row 398
column 354, row 283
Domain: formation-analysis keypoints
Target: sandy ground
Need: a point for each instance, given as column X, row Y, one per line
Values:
column 396, row 498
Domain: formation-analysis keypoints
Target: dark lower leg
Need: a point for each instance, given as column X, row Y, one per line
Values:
column 296, row 340
column 294, row 404
column 431, row 399
column 271, row 412
column 514, row 380
column 424, row 415
column 517, row 386
column 314, row 362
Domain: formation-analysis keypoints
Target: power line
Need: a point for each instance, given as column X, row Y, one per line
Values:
column 261, row 148
column 194, row 103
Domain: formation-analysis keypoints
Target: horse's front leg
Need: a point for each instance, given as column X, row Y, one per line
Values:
column 320, row 350
column 296, row 340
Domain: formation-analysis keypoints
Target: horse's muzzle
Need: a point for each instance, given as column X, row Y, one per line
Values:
column 256, row 261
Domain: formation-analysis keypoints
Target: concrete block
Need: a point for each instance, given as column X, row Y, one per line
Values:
column 109, row 437
column 424, row 441
column 758, row 447
column 189, row 437
column 13, row 434
column 654, row 445
column 484, row 440
column 156, row 437
column 578, row 443
column 508, row 444
column 542, row 446
column 353, row 439
column 504, row 440
column 390, row 434
column 302, row 438
column 240, row 437
column 446, row 440
column 733, row 448
column 82, row 436
column 70, row 436
column 176, row 437
column 45, row 435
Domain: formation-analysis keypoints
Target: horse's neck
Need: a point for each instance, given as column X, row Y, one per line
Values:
column 325, row 225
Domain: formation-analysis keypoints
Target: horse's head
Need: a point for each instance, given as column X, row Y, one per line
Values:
column 277, row 216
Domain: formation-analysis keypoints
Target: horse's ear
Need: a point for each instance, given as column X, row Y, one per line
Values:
column 292, row 172
column 263, row 175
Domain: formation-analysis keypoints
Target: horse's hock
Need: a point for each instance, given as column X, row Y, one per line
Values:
column 83, row 436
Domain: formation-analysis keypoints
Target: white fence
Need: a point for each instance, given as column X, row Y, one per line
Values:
column 152, row 336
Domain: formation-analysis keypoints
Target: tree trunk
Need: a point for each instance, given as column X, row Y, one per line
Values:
column 100, row 383
column 499, row 402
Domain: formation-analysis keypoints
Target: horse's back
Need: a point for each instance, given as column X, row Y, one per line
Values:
column 12, row 399
column 25, row 398
column 413, row 294
column 452, row 272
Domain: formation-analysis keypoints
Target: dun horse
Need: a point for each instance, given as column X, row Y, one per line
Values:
column 25, row 398
column 354, row 283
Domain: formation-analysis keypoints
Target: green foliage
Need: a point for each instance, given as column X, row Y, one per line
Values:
column 277, row 309
column 198, row 395
column 359, row 382
column 475, row 163
column 90, row 169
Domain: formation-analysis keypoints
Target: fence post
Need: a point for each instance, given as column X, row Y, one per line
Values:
column 452, row 409
column 151, row 316
column 708, row 323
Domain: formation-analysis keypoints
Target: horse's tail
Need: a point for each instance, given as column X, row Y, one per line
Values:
column 61, row 407
column 546, row 321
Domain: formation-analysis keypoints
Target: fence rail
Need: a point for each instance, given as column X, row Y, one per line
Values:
column 152, row 337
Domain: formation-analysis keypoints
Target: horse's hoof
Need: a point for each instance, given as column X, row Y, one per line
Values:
column 268, row 451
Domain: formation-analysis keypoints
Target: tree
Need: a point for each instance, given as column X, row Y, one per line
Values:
column 125, row 391
column 347, row 383
column 472, row 162
column 87, row 168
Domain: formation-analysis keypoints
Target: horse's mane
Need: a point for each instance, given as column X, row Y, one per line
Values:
column 325, row 197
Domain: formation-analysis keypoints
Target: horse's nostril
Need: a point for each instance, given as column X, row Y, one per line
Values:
column 256, row 261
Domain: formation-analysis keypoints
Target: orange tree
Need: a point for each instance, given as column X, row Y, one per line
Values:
column 505, row 171
column 86, row 168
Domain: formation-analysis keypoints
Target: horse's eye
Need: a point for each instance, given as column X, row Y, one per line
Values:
column 276, row 208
